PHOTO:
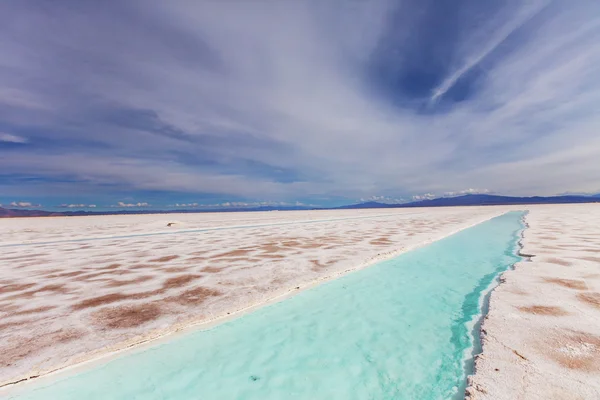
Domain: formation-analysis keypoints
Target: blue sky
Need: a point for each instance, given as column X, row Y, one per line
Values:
column 147, row 103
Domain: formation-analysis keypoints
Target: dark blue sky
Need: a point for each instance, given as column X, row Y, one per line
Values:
column 158, row 104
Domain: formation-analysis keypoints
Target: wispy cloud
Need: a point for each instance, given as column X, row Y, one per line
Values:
column 509, row 24
column 9, row 138
column 384, row 199
column 290, row 100
column 77, row 206
column 187, row 205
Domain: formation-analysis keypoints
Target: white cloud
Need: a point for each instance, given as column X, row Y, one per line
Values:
column 10, row 138
column 384, row 199
column 77, row 206
column 139, row 204
column 466, row 191
column 24, row 204
column 426, row 196
column 245, row 204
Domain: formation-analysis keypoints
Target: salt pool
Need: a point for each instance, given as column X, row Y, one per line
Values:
column 402, row 329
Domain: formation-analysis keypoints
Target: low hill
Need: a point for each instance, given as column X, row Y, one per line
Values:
column 8, row 213
column 15, row 213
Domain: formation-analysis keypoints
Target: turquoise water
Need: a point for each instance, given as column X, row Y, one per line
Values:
column 401, row 329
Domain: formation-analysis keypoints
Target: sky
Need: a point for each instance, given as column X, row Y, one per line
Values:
column 186, row 103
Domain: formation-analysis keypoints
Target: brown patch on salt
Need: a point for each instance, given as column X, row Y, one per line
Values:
column 270, row 248
column 318, row 266
column 129, row 316
column 232, row 260
column 35, row 310
column 212, row 270
column 382, row 241
column 16, row 287
column 113, row 298
column 103, row 261
column 517, row 291
column 100, row 300
column 290, row 243
column 591, row 298
column 140, row 254
column 27, row 346
column 180, row 280
column 194, row 296
column 88, row 277
column 110, row 267
column 310, row 246
column 126, row 282
column 544, row 310
column 48, row 273
column 272, row 256
column 141, row 266
column 574, row 350
column 175, row 270
column 8, row 307
column 195, row 259
column 70, row 274
column 54, row 288
column 569, row 283
column 233, row 253
column 558, row 261
column 16, row 324
column 165, row 258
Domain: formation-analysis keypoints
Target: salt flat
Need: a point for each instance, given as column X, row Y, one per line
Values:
column 542, row 334
column 75, row 288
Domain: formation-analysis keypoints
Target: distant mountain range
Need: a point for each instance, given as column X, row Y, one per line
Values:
column 481, row 200
column 466, row 200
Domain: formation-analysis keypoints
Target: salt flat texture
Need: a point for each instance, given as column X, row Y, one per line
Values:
column 542, row 334
column 402, row 329
column 74, row 288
